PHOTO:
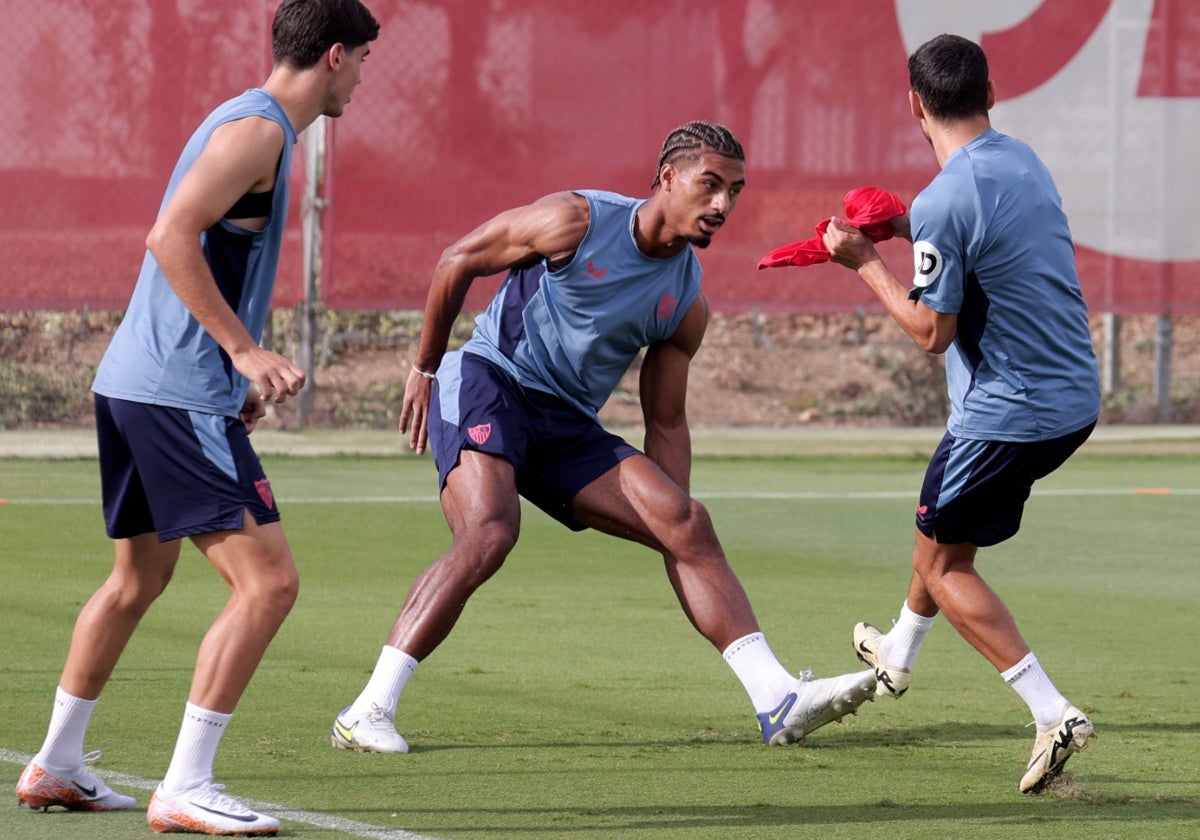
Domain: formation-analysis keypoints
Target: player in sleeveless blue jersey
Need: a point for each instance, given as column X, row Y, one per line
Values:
column 996, row 290
column 177, row 393
column 594, row 278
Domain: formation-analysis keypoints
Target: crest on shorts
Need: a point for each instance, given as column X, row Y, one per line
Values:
column 263, row 486
column 480, row 433
column 667, row 306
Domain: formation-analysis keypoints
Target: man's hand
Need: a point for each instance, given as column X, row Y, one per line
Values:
column 902, row 227
column 418, row 391
column 252, row 411
column 848, row 245
column 272, row 377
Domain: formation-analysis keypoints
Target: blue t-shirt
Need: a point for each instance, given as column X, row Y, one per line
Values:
column 574, row 332
column 160, row 354
column 991, row 243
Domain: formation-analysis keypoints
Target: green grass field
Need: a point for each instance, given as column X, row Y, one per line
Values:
column 575, row 701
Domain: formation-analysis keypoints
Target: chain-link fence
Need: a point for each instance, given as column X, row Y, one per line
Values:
column 472, row 106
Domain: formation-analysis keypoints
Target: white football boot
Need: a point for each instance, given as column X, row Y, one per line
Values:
column 372, row 732
column 1053, row 746
column 75, row 790
column 813, row 703
column 205, row 810
column 891, row 680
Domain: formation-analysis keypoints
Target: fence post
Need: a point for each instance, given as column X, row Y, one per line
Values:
column 313, row 211
column 1110, row 355
column 1162, row 366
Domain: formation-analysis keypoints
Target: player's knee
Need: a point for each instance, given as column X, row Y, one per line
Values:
column 287, row 591
column 692, row 531
column 699, row 523
column 934, row 568
column 925, row 568
column 273, row 588
column 285, row 587
column 135, row 592
column 277, row 598
column 480, row 550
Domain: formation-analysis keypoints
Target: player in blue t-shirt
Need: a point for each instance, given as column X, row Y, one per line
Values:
column 178, row 391
column 996, row 290
column 594, row 278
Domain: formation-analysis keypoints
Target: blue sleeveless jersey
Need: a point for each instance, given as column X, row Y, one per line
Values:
column 575, row 331
column 991, row 243
column 160, row 354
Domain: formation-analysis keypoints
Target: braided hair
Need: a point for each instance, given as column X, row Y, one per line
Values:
column 686, row 143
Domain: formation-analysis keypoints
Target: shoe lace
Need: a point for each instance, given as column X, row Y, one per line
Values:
column 83, row 774
column 806, row 675
column 212, row 795
column 380, row 717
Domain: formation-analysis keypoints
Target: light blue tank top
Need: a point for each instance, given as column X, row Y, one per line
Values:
column 575, row 331
column 160, row 354
column 991, row 243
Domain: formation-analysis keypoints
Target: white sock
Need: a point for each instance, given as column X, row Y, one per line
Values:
column 192, row 763
column 387, row 681
column 765, row 680
column 1029, row 680
column 902, row 643
column 63, row 747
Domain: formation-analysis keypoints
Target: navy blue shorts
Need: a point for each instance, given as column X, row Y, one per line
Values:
column 975, row 490
column 177, row 473
column 555, row 449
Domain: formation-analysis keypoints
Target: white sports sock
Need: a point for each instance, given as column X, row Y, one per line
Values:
column 1044, row 700
column 763, row 677
column 902, row 643
column 63, row 747
column 192, row 763
column 387, row 681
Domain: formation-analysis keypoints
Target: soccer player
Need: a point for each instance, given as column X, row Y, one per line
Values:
column 179, row 389
column 593, row 278
column 996, row 290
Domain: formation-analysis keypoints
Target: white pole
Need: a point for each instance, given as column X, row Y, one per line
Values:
column 312, row 221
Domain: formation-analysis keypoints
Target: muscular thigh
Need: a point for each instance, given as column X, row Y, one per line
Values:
column 253, row 556
column 634, row 500
column 481, row 492
column 553, row 448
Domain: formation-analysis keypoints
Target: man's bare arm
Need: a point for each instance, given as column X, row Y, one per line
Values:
column 663, row 388
column 241, row 156
column 550, row 228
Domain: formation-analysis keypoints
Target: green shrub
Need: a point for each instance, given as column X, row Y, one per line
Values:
column 28, row 397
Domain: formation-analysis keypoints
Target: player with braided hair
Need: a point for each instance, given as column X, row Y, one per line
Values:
column 686, row 143
column 593, row 278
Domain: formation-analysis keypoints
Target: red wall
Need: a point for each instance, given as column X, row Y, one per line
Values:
column 469, row 107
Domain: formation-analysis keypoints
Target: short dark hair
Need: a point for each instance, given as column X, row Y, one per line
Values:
column 950, row 74
column 686, row 143
column 303, row 30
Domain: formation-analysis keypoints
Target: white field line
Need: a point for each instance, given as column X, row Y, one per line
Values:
column 783, row 495
column 325, row 822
